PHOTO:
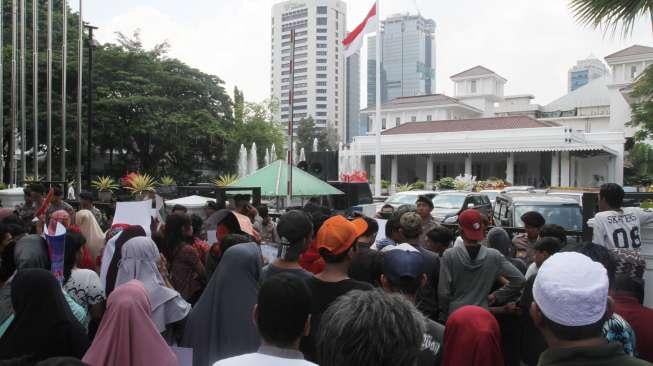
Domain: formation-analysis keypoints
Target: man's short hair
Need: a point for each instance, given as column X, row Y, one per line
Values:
column 38, row 188
column 87, row 196
column 601, row 254
column 613, row 194
column 574, row 333
column 180, row 208
column 284, row 304
column 372, row 226
column 533, row 218
column 370, row 328
column 440, row 235
column 554, row 231
column 548, row 244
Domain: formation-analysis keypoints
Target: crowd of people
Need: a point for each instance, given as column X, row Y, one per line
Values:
column 335, row 291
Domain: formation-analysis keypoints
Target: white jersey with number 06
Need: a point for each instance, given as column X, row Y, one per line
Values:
column 620, row 229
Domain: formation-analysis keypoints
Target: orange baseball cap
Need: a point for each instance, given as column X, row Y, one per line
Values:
column 338, row 234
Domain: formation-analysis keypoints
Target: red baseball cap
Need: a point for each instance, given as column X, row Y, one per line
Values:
column 338, row 234
column 471, row 223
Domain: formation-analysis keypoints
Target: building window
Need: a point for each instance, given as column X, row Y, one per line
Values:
column 321, row 99
column 321, row 45
column 322, row 114
column 320, row 53
column 429, row 118
column 473, row 88
column 633, row 71
column 413, row 119
column 321, row 38
column 320, row 68
column 321, row 76
column 321, row 83
column 383, row 124
column 322, row 106
column 321, row 9
column 320, row 91
column 321, row 61
column 321, row 21
column 321, row 30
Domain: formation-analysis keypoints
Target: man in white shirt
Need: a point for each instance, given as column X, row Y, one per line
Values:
column 282, row 316
column 616, row 226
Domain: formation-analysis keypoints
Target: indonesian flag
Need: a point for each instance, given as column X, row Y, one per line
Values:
column 354, row 39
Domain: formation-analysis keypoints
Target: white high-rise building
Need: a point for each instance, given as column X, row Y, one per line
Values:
column 320, row 67
column 585, row 71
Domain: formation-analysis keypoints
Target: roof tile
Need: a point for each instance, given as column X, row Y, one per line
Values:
column 475, row 124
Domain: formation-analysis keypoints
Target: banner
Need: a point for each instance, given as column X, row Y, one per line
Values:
column 56, row 238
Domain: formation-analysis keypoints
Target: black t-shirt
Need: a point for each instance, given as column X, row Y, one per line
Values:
column 427, row 296
column 431, row 344
column 271, row 270
column 322, row 295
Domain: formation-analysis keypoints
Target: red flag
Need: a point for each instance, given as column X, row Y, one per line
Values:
column 354, row 39
column 45, row 204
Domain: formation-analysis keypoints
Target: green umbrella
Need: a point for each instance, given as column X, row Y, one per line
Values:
column 273, row 182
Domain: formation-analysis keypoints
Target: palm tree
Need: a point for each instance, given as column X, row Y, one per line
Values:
column 611, row 14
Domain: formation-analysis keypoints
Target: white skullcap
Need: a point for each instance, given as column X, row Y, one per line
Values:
column 404, row 246
column 571, row 289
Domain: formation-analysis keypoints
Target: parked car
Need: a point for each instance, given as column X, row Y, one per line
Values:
column 563, row 211
column 491, row 194
column 447, row 205
column 407, row 198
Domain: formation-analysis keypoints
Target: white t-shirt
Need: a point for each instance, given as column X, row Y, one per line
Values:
column 260, row 359
column 620, row 229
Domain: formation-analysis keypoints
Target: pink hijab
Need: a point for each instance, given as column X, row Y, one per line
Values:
column 127, row 336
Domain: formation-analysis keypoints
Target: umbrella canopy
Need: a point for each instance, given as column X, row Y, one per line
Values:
column 272, row 180
column 190, row 201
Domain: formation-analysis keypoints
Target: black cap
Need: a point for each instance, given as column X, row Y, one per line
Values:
column 293, row 226
column 424, row 199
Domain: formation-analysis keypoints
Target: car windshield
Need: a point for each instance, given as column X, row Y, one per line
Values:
column 448, row 201
column 491, row 195
column 567, row 216
column 402, row 199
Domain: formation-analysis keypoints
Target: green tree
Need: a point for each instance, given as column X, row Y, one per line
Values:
column 158, row 114
column 306, row 132
column 642, row 108
column 257, row 126
column 611, row 14
column 239, row 105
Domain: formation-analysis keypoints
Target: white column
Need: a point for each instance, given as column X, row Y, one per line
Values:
column 619, row 166
column 555, row 169
column 565, row 169
column 393, row 174
column 429, row 172
column 646, row 251
column 573, row 171
column 510, row 168
column 468, row 164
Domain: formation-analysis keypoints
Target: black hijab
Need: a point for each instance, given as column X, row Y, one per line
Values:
column 43, row 326
column 130, row 232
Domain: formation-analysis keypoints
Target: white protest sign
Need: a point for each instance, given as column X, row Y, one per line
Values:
column 134, row 213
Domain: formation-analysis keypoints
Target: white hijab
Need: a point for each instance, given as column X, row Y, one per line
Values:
column 139, row 262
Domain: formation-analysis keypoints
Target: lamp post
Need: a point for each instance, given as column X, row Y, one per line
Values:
column 89, row 104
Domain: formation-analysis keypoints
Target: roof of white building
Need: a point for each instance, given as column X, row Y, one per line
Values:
column 474, row 124
column 421, row 101
column 631, row 51
column 595, row 93
column 474, row 71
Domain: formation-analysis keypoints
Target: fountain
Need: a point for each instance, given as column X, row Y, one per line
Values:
column 273, row 154
column 242, row 161
column 302, row 155
column 266, row 159
column 253, row 160
column 294, row 153
column 315, row 145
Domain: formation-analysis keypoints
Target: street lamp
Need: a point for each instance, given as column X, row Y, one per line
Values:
column 89, row 103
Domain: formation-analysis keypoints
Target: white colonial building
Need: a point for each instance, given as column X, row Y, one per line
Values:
column 576, row 140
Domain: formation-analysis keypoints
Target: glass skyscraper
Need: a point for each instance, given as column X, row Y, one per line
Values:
column 407, row 58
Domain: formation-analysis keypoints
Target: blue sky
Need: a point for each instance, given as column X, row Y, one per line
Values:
column 532, row 43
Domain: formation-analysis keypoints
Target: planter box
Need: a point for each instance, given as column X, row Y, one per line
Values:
column 105, row 196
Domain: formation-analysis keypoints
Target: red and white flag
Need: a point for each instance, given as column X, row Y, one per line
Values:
column 354, row 39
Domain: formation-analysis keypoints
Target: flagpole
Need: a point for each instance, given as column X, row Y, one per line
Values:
column 49, row 95
column 291, row 103
column 2, row 114
column 377, row 152
column 64, row 66
column 23, row 122
column 80, row 61
column 11, row 155
column 35, row 83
